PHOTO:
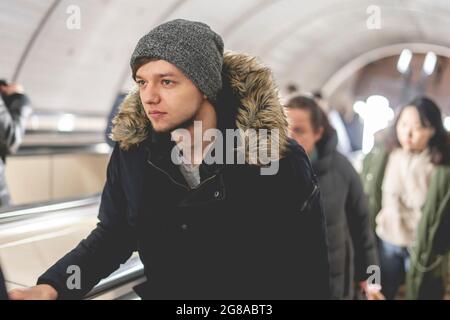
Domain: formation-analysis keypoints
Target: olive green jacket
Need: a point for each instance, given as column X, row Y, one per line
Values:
column 427, row 276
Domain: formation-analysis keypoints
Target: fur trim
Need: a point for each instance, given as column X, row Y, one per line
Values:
column 251, row 82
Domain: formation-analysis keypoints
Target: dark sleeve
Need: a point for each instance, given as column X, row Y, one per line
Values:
column 440, row 196
column 111, row 243
column 13, row 119
column 442, row 237
column 316, row 274
column 3, row 293
column 359, row 223
column 313, row 243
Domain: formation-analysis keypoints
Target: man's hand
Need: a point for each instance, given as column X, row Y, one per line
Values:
column 372, row 291
column 39, row 292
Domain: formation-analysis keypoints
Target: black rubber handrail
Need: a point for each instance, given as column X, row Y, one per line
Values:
column 39, row 209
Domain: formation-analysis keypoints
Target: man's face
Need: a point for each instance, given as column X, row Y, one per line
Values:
column 301, row 128
column 170, row 99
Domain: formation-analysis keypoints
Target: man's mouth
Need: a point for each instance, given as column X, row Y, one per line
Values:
column 156, row 114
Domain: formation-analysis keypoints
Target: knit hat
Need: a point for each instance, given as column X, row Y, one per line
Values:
column 192, row 47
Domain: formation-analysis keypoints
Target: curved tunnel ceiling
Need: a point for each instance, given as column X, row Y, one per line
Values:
column 304, row 42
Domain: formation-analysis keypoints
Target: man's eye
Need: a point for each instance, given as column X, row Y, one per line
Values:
column 140, row 83
column 167, row 82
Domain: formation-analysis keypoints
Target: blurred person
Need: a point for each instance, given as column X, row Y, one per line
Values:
column 352, row 246
column 292, row 88
column 3, row 294
column 355, row 129
column 203, row 231
column 407, row 179
column 14, row 114
column 334, row 117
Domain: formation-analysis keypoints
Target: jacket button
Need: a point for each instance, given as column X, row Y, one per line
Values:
column 216, row 194
column 369, row 176
column 184, row 226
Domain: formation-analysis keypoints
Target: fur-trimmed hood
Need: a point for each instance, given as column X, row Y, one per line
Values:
column 250, row 83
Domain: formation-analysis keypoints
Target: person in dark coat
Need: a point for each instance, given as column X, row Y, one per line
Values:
column 14, row 113
column 203, row 230
column 352, row 246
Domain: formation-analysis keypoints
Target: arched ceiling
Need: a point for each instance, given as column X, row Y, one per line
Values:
column 305, row 42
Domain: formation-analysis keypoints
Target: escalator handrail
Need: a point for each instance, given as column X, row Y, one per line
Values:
column 131, row 270
column 21, row 212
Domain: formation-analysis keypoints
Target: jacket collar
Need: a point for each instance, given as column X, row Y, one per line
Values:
column 325, row 150
column 249, row 94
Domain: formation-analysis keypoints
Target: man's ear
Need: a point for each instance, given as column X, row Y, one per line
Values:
column 319, row 133
column 205, row 97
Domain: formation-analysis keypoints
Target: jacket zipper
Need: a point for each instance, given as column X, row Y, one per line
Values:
column 204, row 181
column 168, row 175
column 310, row 197
column 179, row 184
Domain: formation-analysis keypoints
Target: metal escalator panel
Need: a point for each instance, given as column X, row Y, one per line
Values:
column 32, row 239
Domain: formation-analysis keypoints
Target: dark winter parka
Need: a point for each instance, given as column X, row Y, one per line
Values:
column 238, row 235
column 351, row 240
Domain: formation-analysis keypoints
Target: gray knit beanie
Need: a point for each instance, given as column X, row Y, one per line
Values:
column 192, row 47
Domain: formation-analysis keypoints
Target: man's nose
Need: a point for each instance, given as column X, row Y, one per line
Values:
column 150, row 95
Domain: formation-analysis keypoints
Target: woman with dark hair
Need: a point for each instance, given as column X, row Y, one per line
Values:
column 351, row 243
column 407, row 179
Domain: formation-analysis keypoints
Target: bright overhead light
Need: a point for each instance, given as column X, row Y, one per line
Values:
column 430, row 63
column 66, row 123
column 404, row 60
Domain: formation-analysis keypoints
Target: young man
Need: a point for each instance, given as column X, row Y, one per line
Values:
column 204, row 230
